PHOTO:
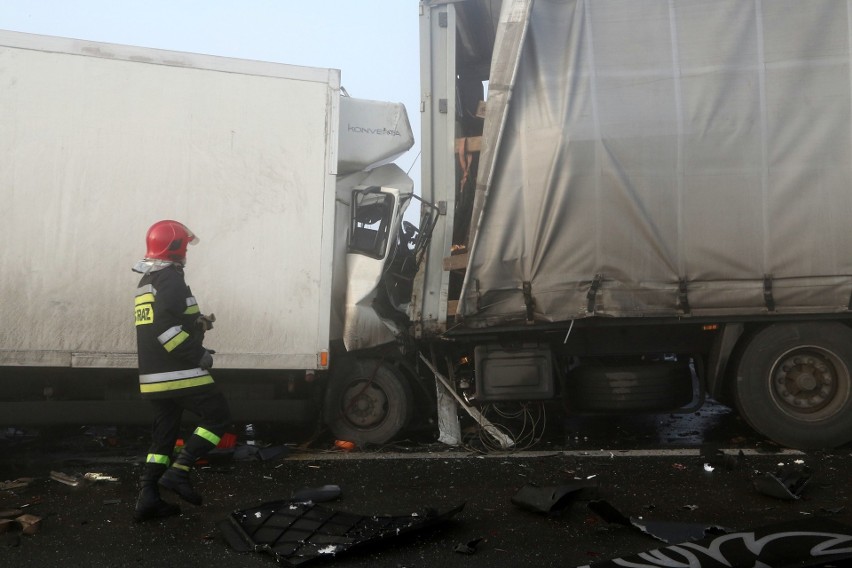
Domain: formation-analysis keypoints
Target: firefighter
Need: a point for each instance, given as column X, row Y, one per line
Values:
column 174, row 370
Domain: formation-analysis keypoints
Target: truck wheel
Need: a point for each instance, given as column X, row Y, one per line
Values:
column 369, row 402
column 794, row 384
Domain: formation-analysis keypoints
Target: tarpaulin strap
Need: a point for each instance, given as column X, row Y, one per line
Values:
column 528, row 300
column 767, row 292
column 593, row 291
column 682, row 298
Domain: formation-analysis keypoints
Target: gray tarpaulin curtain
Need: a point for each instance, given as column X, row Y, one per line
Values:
column 687, row 154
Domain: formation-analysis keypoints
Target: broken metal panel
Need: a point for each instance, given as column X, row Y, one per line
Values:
column 297, row 532
column 809, row 542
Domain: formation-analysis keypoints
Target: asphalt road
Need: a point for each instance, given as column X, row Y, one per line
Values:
column 648, row 467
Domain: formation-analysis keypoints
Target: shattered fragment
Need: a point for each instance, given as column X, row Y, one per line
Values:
column 550, row 500
column 786, row 483
column 297, row 532
column 93, row 476
column 468, row 547
column 665, row 531
column 64, row 478
column 29, row 523
column 317, row 494
column 19, row 483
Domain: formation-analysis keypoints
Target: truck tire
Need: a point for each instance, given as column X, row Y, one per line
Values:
column 369, row 402
column 794, row 384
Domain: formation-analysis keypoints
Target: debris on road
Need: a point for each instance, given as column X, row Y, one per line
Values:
column 71, row 480
column 468, row 547
column 786, row 483
column 344, row 445
column 297, row 532
column 20, row 483
column 317, row 494
column 550, row 500
column 254, row 452
column 30, row 524
column 815, row 541
column 665, row 531
column 26, row 523
column 95, row 476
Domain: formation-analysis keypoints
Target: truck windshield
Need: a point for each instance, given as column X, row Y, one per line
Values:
column 371, row 220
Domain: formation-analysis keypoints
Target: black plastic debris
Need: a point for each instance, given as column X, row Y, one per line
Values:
column 297, row 532
column 665, row 531
column 251, row 452
column 811, row 542
column 468, row 547
column 317, row 494
column 717, row 458
column 786, row 483
column 550, row 500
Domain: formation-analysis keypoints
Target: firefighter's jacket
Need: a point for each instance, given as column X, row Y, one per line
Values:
column 168, row 338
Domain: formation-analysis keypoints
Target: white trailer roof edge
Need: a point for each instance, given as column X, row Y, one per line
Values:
column 85, row 48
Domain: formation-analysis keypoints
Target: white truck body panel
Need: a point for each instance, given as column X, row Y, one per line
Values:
column 99, row 141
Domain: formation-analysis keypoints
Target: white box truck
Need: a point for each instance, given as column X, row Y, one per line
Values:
column 99, row 141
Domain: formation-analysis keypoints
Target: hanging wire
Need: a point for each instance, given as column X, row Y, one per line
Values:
column 525, row 425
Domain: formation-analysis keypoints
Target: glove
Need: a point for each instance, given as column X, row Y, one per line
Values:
column 206, row 361
column 205, row 322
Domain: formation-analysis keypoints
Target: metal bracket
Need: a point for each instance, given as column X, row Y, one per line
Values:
column 593, row 291
column 767, row 292
column 528, row 301
column 682, row 296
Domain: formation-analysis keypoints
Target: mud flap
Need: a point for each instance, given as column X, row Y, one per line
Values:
column 297, row 532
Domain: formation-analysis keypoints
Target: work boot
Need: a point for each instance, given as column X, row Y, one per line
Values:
column 150, row 506
column 177, row 479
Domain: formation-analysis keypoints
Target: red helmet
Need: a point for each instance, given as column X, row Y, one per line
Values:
column 167, row 240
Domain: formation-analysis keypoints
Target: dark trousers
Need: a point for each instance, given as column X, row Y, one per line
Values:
column 210, row 406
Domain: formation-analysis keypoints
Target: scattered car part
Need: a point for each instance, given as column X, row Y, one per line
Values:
column 810, row 542
column 468, row 547
column 786, row 483
column 65, row 478
column 665, row 531
column 95, row 476
column 20, row 483
column 550, row 500
column 297, row 532
column 317, row 494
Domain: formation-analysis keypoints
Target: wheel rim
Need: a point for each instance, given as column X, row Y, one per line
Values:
column 365, row 404
column 810, row 383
